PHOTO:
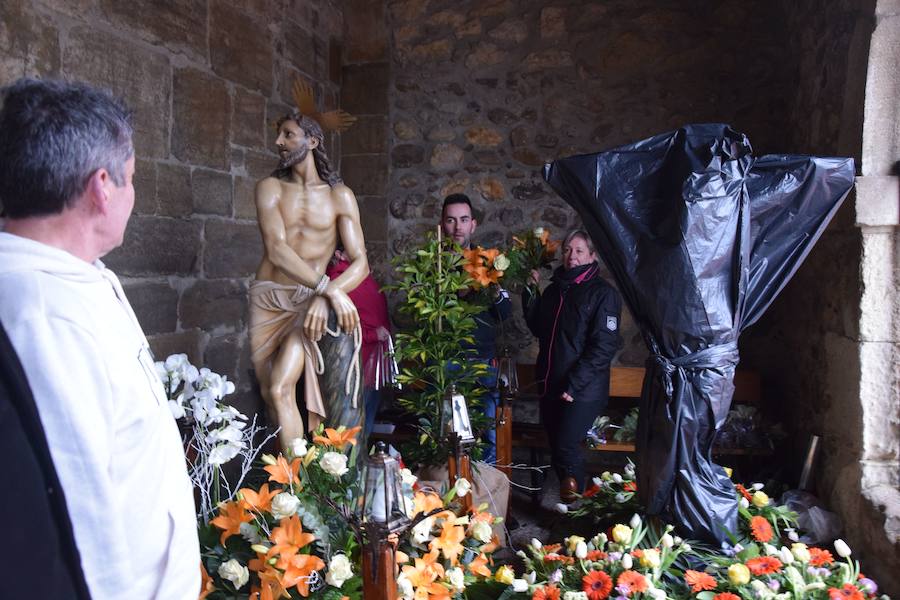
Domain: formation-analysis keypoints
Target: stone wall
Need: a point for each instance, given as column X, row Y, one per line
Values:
column 482, row 93
column 205, row 79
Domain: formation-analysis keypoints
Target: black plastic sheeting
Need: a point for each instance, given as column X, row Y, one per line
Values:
column 700, row 237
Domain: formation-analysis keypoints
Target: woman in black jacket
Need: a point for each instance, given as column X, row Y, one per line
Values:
column 576, row 321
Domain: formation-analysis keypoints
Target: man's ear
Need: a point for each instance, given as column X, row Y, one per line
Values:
column 313, row 142
column 474, row 224
column 96, row 190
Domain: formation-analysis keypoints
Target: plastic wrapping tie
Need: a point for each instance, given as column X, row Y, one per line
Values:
column 713, row 357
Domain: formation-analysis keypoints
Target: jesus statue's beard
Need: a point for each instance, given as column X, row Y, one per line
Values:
column 292, row 158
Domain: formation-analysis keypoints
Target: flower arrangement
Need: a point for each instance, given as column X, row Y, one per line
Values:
column 609, row 497
column 430, row 349
column 215, row 432
column 485, row 266
column 293, row 536
column 531, row 250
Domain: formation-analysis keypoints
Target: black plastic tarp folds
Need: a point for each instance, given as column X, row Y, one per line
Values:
column 700, row 237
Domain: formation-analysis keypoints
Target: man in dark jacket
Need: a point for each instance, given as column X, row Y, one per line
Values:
column 576, row 321
column 459, row 224
column 41, row 559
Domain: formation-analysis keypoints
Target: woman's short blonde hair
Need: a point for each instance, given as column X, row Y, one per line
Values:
column 583, row 235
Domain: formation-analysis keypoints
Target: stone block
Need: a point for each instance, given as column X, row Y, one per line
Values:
column 366, row 175
column 144, row 187
column 244, row 198
column 369, row 42
column 553, row 22
column 485, row 54
column 552, row 58
column 365, row 87
column 248, row 121
column 441, row 133
column 367, row 136
column 406, row 130
column 404, row 156
column 174, row 25
column 501, row 116
column 214, row 305
column 373, row 216
column 491, row 189
column 430, row 52
column 259, row 164
column 173, row 190
column 529, row 191
column 492, row 8
column 211, row 192
column 221, row 356
column 231, row 249
column 155, row 304
column 446, row 157
column 202, row 113
column 157, row 246
column 141, row 77
column 298, row 48
column 185, row 342
column 511, row 31
column 483, row 136
column 239, row 48
column 29, row 43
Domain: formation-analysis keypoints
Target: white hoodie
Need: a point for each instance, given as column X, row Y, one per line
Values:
column 113, row 440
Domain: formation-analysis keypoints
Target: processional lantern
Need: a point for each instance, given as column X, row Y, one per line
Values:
column 456, row 431
column 383, row 505
column 507, row 388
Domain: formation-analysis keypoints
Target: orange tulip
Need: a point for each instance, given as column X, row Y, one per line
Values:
column 289, row 538
column 338, row 438
column 231, row 515
column 284, row 473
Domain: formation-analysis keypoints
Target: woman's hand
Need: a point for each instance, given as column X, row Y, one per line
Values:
column 535, row 277
column 566, row 397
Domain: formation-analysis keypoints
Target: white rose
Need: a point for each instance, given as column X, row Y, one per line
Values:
column 422, row 531
column 339, row 570
column 482, row 532
column 616, row 478
column 462, row 487
column 538, row 231
column 234, row 572
column 298, row 447
column 334, row 463
column 456, row 578
column 657, row 594
column 407, row 477
column 520, row 586
column 405, row 587
column 501, row 263
column 285, row 505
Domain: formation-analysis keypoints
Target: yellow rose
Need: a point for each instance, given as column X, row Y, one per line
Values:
column 738, row 574
column 621, row 533
column 650, row 558
column 760, row 499
column 800, row 552
column 505, row 575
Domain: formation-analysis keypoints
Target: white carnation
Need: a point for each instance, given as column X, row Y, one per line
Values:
column 234, row 572
column 285, row 505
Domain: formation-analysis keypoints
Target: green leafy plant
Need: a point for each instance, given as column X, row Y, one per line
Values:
column 435, row 349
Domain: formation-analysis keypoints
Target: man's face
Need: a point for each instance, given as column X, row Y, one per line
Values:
column 121, row 203
column 292, row 144
column 457, row 222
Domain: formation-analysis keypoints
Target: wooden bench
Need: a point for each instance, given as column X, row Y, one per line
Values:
column 624, row 388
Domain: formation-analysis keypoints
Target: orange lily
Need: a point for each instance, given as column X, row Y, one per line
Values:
column 545, row 236
column 231, row 515
column 478, row 566
column 289, row 538
column 491, row 545
column 425, row 502
column 260, row 501
column 297, row 569
column 449, row 541
column 284, row 473
column 338, row 437
column 206, row 583
column 272, row 586
column 423, row 575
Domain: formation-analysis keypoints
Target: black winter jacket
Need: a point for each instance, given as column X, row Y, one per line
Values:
column 576, row 321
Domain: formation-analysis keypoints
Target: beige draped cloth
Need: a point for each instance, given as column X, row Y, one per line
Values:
column 281, row 309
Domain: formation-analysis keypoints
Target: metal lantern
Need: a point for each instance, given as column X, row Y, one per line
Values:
column 455, row 417
column 507, row 376
column 383, row 505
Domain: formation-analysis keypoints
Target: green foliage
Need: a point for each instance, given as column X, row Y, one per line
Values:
column 435, row 351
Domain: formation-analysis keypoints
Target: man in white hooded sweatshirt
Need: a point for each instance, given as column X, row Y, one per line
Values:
column 66, row 168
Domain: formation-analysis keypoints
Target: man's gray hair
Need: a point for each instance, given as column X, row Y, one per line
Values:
column 54, row 135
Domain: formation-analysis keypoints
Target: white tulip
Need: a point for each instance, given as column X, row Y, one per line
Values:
column 841, row 547
column 667, row 541
column 581, row 550
column 785, row 555
column 536, row 544
column 635, row 521
column 561, row 508
column 627, row 561
column 520, row 586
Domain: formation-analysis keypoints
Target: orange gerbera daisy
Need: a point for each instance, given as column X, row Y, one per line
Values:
column 819, row 557
column 699, row 581
column 282, row 472
column 550, row 548
column 848, row 591
column 339, row 437
column 231, row 515
column 597, row 585
column 743, row 492
column 761, row 529
column 636, row 582
column 546, row 592
column 726, row 596
column 763, row 565
column 596, row 555
column 554, row 557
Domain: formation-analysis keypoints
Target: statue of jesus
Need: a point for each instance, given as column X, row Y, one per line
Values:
column 300, row 321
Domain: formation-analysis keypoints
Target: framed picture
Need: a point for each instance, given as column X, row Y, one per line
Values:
column 461, row 424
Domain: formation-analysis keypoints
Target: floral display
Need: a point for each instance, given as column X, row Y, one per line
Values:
column 610, row 496
column 531, row 250
column 485, row 266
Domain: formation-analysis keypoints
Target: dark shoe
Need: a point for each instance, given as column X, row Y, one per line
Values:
column 568, row 490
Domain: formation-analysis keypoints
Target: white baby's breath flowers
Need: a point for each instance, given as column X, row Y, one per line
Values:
column 339, row 570
column 233, row 571
column 334, row 463
column 285, row 505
